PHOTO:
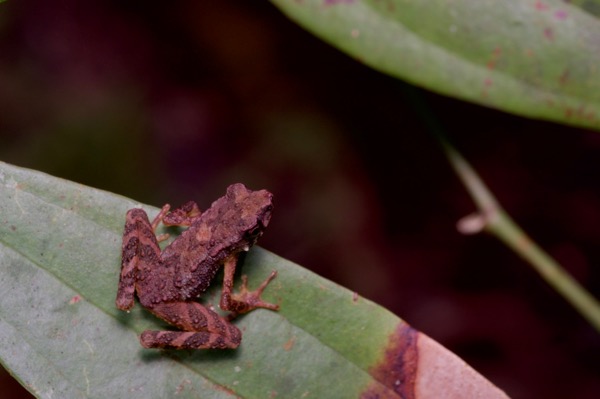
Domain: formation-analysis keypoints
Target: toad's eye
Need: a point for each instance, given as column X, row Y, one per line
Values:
column 253, row 233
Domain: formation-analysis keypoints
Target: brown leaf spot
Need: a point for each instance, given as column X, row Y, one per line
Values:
column 396, row 372
column 289, row 344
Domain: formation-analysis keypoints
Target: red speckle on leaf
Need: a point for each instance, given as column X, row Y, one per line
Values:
column 564, row 77
column 289, row 344
column 75, row 299
column 591, row 116
column 224, row 389
column 494, row 58
column 561, row 15
column 579, row 112
column 487, row 83
column 335, row 2
column 540, row 5
column 569, row 112
column 549, row 33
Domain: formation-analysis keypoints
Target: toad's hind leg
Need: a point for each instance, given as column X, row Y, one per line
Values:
column 139, row 248
column 203, row 328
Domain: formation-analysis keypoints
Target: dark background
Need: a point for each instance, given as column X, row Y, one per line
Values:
column 170, row 101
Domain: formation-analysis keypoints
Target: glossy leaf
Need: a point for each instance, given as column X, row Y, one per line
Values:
column 61, row 335
column 537, row 58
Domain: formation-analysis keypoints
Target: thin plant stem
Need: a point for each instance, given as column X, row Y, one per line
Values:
column 498, row 223
column 493, row 219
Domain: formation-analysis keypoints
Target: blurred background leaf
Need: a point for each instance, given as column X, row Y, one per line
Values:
column 532, row 58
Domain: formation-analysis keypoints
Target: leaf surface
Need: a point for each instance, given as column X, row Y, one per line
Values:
column 536, row 58
column 61, row 335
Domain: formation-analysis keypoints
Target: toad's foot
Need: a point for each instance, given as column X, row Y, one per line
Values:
column 246, row 300
column 252, row 298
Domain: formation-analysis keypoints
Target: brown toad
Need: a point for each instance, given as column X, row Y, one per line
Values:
column 166, row 282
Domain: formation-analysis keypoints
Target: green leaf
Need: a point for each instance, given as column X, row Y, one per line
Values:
column 537, row 58
column 62, row 337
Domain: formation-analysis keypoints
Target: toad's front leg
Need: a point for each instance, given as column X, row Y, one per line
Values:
column 203, row 328
column 245, row 300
